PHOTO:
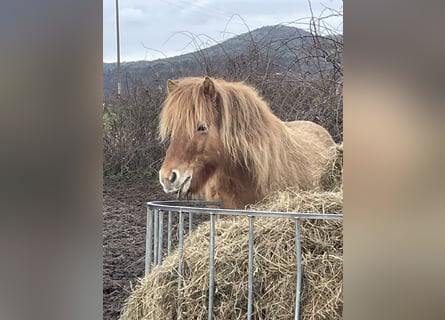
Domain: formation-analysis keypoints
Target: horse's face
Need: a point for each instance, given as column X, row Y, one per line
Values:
column 190, row 161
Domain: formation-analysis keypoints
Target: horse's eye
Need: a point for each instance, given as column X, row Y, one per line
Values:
column 202, row 128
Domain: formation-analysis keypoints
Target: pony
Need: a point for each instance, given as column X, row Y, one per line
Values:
column 225, row 144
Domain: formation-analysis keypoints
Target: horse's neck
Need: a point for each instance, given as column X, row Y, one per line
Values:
column 234, row 186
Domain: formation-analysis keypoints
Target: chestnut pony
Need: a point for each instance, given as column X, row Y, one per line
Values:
column 226, row 144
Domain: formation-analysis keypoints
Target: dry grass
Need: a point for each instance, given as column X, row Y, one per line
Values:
column 332, row 176
column 156, row 297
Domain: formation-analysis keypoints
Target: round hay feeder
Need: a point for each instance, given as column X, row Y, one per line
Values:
column 274, row 267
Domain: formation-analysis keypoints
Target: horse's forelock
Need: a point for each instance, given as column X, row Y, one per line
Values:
column 185, row 109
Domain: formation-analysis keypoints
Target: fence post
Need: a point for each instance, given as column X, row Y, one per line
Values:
column 148, row 241
column 181, row 263
column 160, row 236
column 156, row 236
column 250, row 271
column 299, row 268
column 211, row 264
column 169, row 235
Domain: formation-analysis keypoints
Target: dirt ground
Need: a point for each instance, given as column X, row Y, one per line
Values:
column 124, row 215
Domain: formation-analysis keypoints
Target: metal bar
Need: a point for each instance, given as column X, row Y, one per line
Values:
column 299, row 268
column 250, row 270
column 169, row 233
column 211, row 264
column 190, row 222
column 166, row 205
column 180, row 263
column 156, row 235
column 148, row 241
column 160, row 237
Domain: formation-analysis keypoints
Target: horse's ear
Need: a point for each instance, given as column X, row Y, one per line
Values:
column 171, row 85
column 209, row 87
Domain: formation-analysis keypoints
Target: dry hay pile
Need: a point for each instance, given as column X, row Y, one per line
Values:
column 332, row 175
column 156, row 297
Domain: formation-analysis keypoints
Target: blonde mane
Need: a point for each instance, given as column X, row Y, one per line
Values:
column 277, row 154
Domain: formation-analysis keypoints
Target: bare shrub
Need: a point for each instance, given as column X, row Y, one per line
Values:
column 130, row 133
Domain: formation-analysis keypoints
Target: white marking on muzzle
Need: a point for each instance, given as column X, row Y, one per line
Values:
column 176, row 182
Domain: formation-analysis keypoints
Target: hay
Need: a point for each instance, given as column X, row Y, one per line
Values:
column 156, row 297
column 332, row 176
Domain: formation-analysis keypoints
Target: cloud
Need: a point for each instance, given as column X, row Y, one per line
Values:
column 130, row 15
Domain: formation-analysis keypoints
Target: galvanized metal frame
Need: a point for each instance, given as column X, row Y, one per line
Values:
column 155, row 251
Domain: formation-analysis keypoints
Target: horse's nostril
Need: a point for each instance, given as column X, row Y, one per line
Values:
column 173, row 177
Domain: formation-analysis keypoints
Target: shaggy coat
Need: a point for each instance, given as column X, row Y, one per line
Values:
column 226, row 144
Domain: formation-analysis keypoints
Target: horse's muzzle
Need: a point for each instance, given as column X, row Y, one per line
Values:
column 175, row 182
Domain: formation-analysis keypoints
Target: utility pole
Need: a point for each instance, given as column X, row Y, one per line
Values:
column 118, row 51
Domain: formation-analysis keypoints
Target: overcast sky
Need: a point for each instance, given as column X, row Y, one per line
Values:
column 150, row 29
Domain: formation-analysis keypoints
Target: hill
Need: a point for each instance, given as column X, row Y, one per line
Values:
column 279, row 51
